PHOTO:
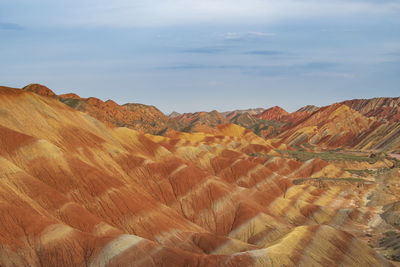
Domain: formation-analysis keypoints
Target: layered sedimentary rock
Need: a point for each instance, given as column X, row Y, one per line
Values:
column 308, row 125
column 252, row 111
column 144, row 118
column 382, row 108
column 337, row 126
column 200, row 121
column 273, row 114
column 308, row 108
column 76, row 192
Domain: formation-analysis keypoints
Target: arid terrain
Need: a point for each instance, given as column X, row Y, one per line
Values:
column 85, row 182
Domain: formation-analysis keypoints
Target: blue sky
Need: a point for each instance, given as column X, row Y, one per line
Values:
column 202, row 55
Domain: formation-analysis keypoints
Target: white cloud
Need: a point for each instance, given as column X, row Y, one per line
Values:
column 234, row 36
column 261, row 34
column 183, row 12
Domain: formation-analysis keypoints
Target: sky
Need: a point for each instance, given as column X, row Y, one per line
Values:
column 187, row 55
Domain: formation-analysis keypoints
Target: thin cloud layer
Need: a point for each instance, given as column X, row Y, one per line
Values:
column 234, row 36
column 151, row 13
column 10, row 27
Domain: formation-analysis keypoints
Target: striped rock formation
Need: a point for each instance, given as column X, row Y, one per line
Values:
column 143, row 118
column 338, row 126
column 75, row 192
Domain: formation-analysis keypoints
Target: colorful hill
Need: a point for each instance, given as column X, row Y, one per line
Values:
column 200, row 121
column 331, row 126
column 76, row 192
column 144, row 118
column 273, row 114
column 382, row 108
column 251, row 111
column 308, row 125
column 339, row 126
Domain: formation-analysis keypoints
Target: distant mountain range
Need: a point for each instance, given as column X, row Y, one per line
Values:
column 367, row 124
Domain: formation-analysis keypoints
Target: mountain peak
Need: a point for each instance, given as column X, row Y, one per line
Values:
column 272, row 114
column 174, row 114
column 39, row 89
column 308, row 108
column 70, row 95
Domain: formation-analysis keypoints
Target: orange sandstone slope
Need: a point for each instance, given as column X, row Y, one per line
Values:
column 143, row 118
column 200, row 121
column 273, row 114
column 208, row 121
column 331, row 126
column 337, row 126
column 382, row 108
column 251, row 111
column 308, row 108
column 75, row 192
